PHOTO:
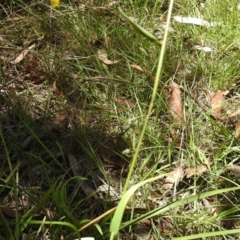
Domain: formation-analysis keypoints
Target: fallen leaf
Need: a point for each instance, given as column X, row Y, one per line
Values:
column 21, row 56
column 8, row 211
column 102, row 55
column 198, row 171
column 237, row 129
column 124, row 103
column 137, row 67
column 175, row 102
column 173, row 177
column 195, row 21
column 140, row 69
column 216, row 101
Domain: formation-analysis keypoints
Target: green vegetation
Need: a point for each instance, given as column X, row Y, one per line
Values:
column 114, row 123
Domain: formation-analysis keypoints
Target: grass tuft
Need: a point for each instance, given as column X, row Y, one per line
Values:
column 95, row 139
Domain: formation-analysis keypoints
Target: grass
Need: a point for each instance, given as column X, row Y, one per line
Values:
column 70, row 123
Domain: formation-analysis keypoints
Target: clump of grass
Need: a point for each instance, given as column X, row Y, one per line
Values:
column 61, row 102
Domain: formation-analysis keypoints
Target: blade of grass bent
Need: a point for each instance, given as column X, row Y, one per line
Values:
column 140, row 29
column 116, row 221
column 176, row 204
column 67, row 224
column 209, row 234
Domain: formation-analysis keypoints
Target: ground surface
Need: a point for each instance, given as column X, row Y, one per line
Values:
column 76, row 83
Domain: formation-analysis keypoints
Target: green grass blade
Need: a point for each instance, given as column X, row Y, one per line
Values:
column 177, row 204
column 140, row 29
column 6, row 226
column 209, row 234
column 154, row 94
column 116, row 221
column 67, row 224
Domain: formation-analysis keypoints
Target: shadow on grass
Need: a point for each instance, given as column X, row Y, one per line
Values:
column 56, row 170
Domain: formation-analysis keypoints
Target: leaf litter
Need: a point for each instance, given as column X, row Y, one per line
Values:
column 216, row 101
column 176, row 110
column 175, row 102
column 125, row 103
column 103, row 56
column 22, row 55
column 173, row 178
column 237, row 129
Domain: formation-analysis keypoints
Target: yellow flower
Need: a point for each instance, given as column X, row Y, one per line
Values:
column 55, row 3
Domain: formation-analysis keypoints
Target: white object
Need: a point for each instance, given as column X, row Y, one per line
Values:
column 203, row 48
column 195, row 21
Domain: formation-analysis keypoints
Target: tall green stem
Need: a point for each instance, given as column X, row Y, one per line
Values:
column 154, row 94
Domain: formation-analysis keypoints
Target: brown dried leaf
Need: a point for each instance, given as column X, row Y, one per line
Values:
column 198, row 171
column 137, row 67
column 175, row 102
column 216, row 99
column 140, row 69
column 124, row 103
column 8, row 211
column 102, row 55
column 237, row 129
column 173, row 177
column 21, row 56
